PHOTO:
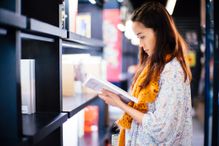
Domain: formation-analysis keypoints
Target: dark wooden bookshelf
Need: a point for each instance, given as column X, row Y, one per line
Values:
column 84, row 40
column 41, row 125
column 27, row 36
column 3, row 31
column 74, row 104
column 70, row 47
column 11, row 19
column 45, row 28
column 29, row 29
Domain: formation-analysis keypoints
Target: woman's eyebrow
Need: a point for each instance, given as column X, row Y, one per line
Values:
column 139, row 33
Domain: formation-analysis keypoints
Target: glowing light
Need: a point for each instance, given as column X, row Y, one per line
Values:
column 170, row 6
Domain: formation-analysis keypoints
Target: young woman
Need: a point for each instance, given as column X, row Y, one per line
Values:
column 162, row 115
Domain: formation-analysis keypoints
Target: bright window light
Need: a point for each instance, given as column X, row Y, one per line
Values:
column 135, row 41
column 170, row 6
column 92, row 1
column 128, row 29
column 121, row 27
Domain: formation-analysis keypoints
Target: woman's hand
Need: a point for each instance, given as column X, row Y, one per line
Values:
column 110, row 98
column 114, row 100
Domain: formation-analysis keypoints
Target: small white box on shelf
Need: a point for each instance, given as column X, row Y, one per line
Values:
column 28, row 86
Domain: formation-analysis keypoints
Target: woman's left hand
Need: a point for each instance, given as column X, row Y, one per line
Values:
column 110, row 98
column 114, row 100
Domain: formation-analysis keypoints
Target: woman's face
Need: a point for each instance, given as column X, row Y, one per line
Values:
column 147, row 37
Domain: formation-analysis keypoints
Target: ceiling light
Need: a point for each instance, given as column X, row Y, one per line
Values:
column 170, row 6
column 121, row 27
column 128, row 29
column 92, row 1
column 135, row 41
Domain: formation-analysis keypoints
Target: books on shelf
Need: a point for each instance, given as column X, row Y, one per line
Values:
column 68, row 75
column 91, row 114
column 74, row 69
column 28, row 86
column 98, row 84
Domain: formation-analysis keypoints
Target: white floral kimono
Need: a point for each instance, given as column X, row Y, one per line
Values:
column 168, row 121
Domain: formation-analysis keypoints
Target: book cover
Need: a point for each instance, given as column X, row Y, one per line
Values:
column 28, row 86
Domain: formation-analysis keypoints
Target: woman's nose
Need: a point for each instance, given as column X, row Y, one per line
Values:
column 140, row 44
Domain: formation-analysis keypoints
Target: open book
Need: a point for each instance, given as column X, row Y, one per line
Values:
column 98, row 85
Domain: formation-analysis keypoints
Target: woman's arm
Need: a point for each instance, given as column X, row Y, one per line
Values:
column 114, row 100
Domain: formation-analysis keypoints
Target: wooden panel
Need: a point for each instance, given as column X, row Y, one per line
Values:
column 46, row 28
column 9, row 18
column 10, row 99
column 8, row 4
column 46, row 11
column 74, row 104
column 47, row 63
column 41, row 125
column 84, row 40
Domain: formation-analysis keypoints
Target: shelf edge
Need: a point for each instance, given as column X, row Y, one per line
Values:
column 80, row 107
column 84, row 40
column 45, row 28
column 47, row 129
column 12, row 19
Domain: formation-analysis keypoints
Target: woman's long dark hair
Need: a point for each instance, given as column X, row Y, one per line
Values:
column 168, row 41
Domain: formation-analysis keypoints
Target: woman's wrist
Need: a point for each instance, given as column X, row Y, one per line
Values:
column 122, row 105
column 135, row 114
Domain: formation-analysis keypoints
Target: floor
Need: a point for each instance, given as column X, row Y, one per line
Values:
column 198, row 133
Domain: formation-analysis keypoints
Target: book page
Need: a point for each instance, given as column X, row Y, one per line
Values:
column 98, row 85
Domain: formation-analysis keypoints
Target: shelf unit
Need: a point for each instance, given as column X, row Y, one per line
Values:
column 33, row 33
column 72, row 105
column 12, row 19
column 40, row 125
column 44, row 28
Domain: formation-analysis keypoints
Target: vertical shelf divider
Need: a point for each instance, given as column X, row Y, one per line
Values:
column 10, row 105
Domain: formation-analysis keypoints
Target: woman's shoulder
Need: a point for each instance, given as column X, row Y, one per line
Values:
column 173, row 65
column 173, row 68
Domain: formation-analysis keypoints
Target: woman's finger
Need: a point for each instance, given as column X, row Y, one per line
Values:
column 101, row 96
column 109, row 93
column 104, row 97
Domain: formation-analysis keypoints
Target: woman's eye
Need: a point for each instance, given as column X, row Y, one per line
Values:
column 142, row 37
